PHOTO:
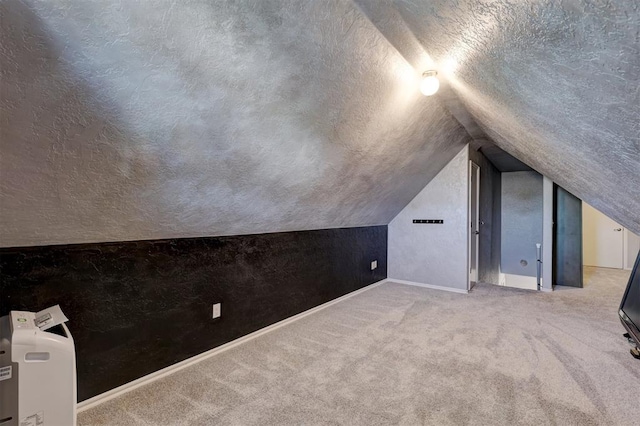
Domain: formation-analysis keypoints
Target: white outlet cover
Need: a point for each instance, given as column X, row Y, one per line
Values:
column 216, row 310
column 374, row 265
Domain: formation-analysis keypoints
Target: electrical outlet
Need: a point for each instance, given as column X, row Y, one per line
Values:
column 374, row 265
column 216, row 310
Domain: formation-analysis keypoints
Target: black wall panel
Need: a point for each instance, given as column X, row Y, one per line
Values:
column 567, row 238
column 137, row 307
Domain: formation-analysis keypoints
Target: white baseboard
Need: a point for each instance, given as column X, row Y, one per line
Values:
column 145, row 380
column 431, row 286
column 524, row 282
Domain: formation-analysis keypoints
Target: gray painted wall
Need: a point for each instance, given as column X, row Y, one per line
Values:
column 490, row 183
column 430, row 253
column 521, row 222
column 142, row 120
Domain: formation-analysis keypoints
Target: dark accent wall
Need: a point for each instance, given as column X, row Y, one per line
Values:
column 567, row 247
column 137, row 307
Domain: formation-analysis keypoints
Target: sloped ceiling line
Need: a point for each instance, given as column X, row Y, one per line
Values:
column 555, row 84
column 389, row 21
column 131, row 120
column 135, row 120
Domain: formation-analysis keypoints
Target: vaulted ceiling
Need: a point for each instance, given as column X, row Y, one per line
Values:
column 139, row 120
column 556, row 84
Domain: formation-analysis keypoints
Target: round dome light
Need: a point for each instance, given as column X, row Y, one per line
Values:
column 430, row 83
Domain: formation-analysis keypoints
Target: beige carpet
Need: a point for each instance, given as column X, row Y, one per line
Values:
column 406, row 355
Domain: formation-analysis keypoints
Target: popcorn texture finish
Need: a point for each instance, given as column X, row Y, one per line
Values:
column 142, row 120
column 556, row 84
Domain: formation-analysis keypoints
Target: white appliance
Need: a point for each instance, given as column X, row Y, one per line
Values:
column 37, row 370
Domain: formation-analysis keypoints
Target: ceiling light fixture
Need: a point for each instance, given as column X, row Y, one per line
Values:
column 430, row 83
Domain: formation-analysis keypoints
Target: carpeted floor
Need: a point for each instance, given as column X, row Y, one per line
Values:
column 406, row 355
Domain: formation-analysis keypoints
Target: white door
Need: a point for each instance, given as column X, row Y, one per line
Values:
column 474, row 219
column 602, row 240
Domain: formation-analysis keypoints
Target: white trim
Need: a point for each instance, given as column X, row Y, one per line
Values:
column 546, row 281
column 431, row 286
column 626, row 244
column 524, row 282
column 156, row 375
column 469, row 174
column 473, row 238
column 625, row 249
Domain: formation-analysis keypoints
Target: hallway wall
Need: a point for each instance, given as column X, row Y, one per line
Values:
column 521, row 227
column 434, row 254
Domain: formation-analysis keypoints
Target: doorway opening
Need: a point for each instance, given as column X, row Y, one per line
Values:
column 607, row 244
column 474, row 219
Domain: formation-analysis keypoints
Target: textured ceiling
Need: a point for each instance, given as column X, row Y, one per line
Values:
column 140, row 120
column 556, row 84
column 156, row 119
column 502, row 160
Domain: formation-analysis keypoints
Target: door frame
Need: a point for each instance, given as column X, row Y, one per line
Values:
column 473, row 233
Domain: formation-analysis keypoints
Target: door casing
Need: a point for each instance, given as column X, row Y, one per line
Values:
column 474, row 221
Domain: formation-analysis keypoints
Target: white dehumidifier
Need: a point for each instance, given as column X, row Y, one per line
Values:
column 37, row 372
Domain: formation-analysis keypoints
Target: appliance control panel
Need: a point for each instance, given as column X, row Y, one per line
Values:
column 22, row 320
